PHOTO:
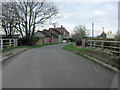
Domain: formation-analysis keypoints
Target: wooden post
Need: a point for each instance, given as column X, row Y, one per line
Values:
column 14, row 43
column 83, row 43
column 9, row 42
column 1, row 44
column 43, row 40
column 91, row 44
column 102, row 46
column 94, row 44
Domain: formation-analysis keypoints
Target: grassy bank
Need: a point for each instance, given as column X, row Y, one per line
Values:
column 87, row 53
column 29, row 47
column 75, row 49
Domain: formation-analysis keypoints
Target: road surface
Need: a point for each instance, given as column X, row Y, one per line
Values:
column 53, row 67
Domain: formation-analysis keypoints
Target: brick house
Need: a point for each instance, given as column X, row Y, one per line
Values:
column 56, row 33
column 54, row 38
column 41, row 37
column 65, row 33
column 52, row 35
column 48, row 37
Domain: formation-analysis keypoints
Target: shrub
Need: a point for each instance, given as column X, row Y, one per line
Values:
column 80, row 32
column 27, row 41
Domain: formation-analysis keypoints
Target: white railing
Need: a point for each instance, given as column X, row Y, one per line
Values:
column 114, row 49
column 8, row 43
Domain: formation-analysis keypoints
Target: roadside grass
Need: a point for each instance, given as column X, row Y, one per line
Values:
column 79, row 51
column 11, row 48
column 37, row 46
column 75, row 49
column 9, row 54
column 29, row 47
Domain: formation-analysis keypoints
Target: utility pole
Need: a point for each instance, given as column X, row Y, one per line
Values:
column 92, row 29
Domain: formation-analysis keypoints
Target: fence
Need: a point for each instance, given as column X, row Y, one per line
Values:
column 8, row 43
column 111, row 47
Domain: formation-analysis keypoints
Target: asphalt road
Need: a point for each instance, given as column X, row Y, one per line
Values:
column 53, row 67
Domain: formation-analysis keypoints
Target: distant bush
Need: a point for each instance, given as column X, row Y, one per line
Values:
column 27, row 42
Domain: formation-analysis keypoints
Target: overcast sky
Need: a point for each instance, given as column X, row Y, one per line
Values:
column 102, row 13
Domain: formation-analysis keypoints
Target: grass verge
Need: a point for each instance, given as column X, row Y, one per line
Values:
column 75, row 49
column 79, row 51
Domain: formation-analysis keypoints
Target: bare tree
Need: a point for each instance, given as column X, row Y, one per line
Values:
column 8, row 19
column 80, row 32
column 29, row 15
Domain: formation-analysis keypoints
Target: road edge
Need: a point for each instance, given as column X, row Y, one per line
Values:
column 7, row 57
column 102, row 63
column 107, row 66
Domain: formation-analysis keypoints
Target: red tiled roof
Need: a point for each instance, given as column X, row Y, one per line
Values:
column 55, row 30
column 62, row 30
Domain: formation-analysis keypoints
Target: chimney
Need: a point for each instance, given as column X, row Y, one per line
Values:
column 61, row 26
column 111, row 32
column 54, row 26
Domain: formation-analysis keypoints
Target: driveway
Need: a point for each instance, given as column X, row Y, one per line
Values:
column 53, row 67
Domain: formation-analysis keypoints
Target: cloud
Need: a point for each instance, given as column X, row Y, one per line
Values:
column 85, row 0
column 103, row 14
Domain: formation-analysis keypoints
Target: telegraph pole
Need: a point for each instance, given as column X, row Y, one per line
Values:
column 92, row 29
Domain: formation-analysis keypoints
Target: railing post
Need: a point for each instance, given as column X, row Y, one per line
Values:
column 14, row 43
column 9, row 42
column 91, row 44
column 1, row 44
column 102, row 46
column 94, row 44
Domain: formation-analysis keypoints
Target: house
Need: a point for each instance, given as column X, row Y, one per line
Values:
column 109, row 35
column 48, row 37
column 41, row 36
column 52, row 35
column 54, row 38
column 57, row 33
column 102, row 36
column 44, row 37
column 65, row 35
